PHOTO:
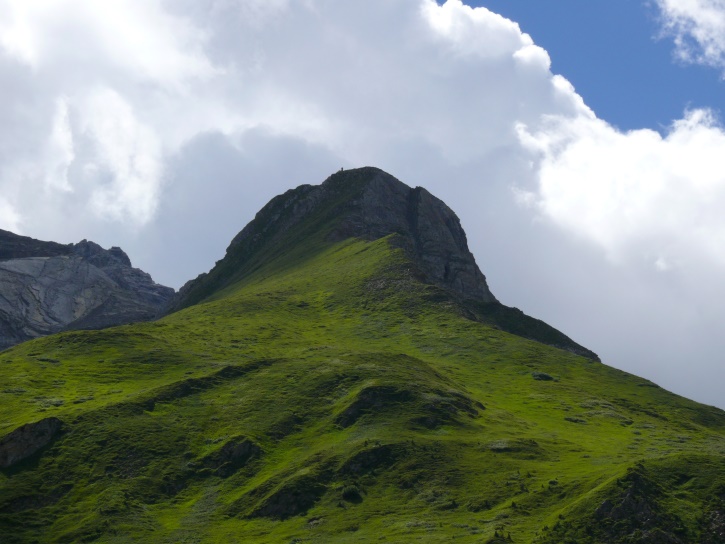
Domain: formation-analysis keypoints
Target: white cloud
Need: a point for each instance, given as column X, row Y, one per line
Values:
column 360, row 79
column 698, row 29
column 9, row 217
column 60, row 149
column 126, row 177
column 635, row 194
column 138, row 37
column 475, row 32
column 87, row 88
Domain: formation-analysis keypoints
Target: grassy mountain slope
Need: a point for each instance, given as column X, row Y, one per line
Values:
column 329, row 396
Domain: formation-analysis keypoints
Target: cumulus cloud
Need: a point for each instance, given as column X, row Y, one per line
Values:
column 638, row 195
column 139, row 38
column 698, row 29
column 476, row 32
column 84, row 84
column 117, row 96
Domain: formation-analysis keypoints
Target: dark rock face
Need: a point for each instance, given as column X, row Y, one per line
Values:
column 429, row 232
column 296, row 496
column 47, row 287
column 373, row 399
column 714, row 525
column 634, row 513
column 24, row 441
column 14, row 246
column 433, row 407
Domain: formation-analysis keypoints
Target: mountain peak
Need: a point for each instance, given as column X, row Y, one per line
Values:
column 365, row 203
column 100, row 257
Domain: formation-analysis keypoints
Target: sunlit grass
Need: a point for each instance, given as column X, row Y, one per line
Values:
column 378, row 409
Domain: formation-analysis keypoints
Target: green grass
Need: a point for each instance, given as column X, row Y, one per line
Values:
column 370, row 408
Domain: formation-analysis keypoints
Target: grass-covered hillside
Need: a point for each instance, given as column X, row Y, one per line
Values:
column 329, row 396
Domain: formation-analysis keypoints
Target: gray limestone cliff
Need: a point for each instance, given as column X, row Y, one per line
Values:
column 47, row 287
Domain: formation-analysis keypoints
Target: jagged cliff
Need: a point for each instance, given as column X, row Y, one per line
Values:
column 47, row 287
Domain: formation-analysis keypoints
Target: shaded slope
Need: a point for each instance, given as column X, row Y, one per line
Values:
column 341, row 400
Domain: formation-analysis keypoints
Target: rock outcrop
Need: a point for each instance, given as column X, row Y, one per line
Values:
column 47, row 287
column 27, row 440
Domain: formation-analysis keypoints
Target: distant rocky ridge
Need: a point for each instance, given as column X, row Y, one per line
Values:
column 46, row 287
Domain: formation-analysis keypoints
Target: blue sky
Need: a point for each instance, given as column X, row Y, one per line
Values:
column 615, row 55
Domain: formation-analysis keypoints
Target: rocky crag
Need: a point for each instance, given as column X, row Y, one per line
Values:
column 365, row 203
column 370, row 204
column 47, row 287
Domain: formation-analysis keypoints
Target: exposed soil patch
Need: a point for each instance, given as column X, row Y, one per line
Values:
column 370, row 459
column 444, row 407
column 517, row 448
column 434, row 408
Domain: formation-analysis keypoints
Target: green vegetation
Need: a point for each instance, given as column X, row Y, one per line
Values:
column 327, row 396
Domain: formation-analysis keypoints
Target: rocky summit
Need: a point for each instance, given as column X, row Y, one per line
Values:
column 47, row 287
column 365, row 203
